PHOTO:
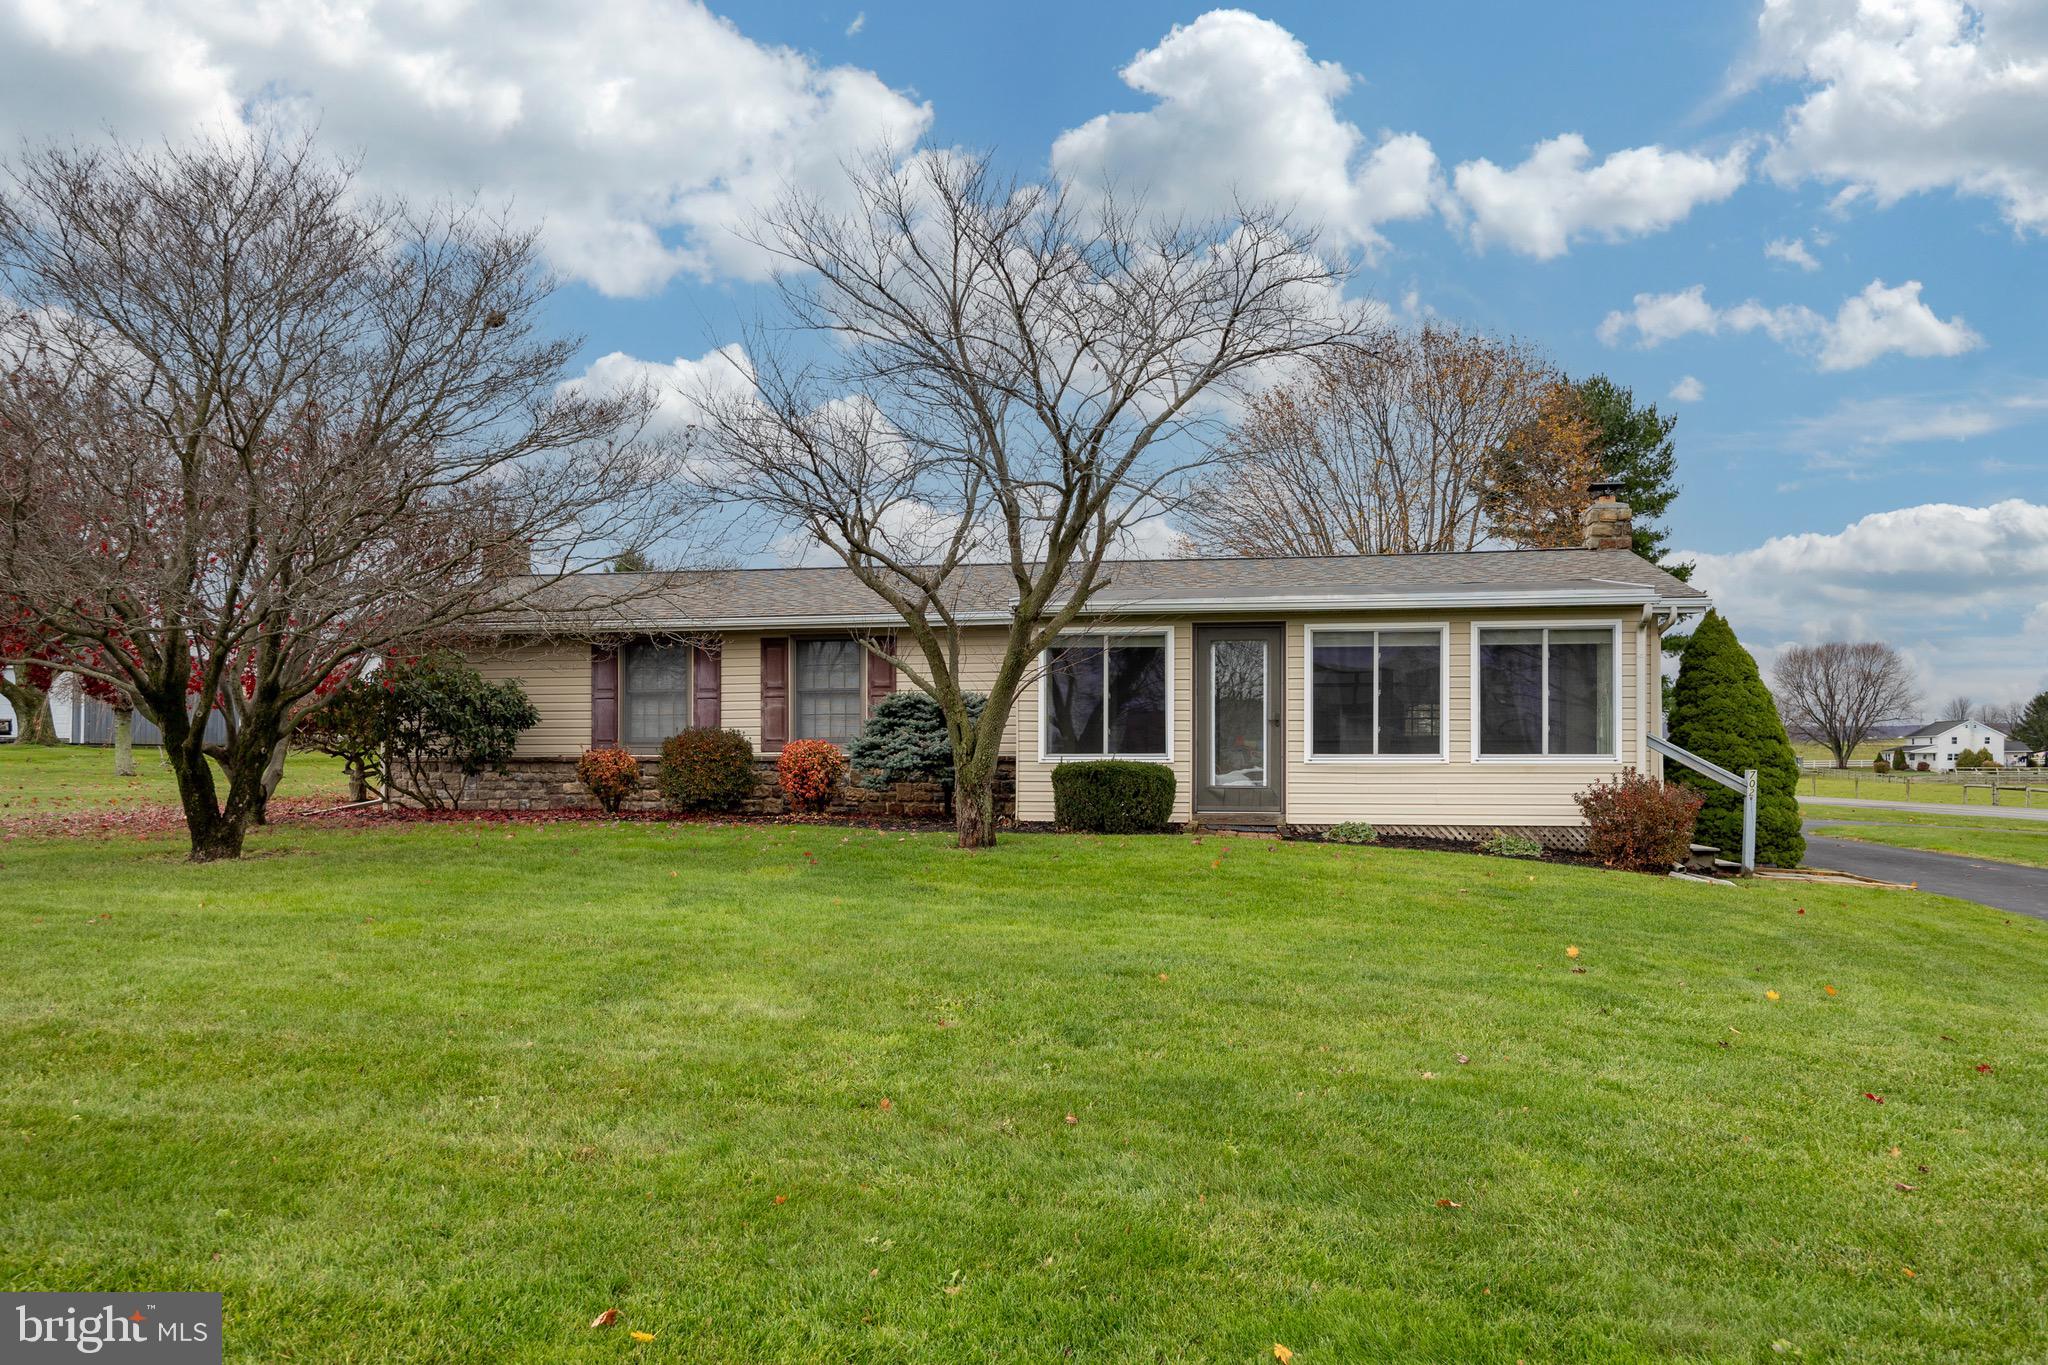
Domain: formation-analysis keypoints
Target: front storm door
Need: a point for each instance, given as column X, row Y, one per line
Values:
column 1240, row 730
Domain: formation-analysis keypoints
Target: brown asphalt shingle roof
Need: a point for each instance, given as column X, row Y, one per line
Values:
column 733, row 598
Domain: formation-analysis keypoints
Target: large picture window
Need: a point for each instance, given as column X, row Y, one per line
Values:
column 1105, row 696
column 1376, row 693
column 655, row 694
column 1546, row 691
column 826, row 678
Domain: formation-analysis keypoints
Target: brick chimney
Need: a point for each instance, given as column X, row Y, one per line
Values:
column 1606, row 524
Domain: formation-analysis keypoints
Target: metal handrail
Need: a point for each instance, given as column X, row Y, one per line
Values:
column 1746, row 784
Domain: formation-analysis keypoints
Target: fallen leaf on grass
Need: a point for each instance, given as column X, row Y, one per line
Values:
column 1572, row 951
column 606, row 1318
column 1895, row 1151
column 641, row 1336
column 1874, row 1099
column 1983, row 1067
column 1463, row 1059
column 1281, row 1353
column 1770, row 995
column 885, row 1105
column 782, row 1199
column 1903, row 1188
column 1908, row 1271
column 1071, row 1120
column 1449, row 1204
column 1829, row 989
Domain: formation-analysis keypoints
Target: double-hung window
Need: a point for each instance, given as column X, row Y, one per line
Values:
column 1547, row 691
column 1376, row 693
column 826, row 678
column 1105, row 696
column 655, row 700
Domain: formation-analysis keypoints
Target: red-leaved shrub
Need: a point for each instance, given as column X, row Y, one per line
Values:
column 611, row 774
column 809, row 772
column 1638, row 822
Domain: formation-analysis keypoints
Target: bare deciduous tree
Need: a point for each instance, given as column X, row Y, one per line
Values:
column 1958, row 708
column 1838, row 693
column 1012, row 373
column 255, row 428
column 1408, row 442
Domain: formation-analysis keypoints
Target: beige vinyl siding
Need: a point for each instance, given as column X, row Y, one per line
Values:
column 557, row 679
column 1459, row 790
column 739, row 684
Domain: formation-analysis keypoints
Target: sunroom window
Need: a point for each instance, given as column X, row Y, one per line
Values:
column 1546, row 691
column 1105, row 696
column 1375, row 693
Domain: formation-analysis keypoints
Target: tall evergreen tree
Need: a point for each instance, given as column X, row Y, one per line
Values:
column 2032, row 729
column 1722, row 711
column 1634, row 446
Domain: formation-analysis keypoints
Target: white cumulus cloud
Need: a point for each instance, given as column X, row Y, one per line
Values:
column 1881, row 320
column 1950, row 584
column 1242, row 111
column 1902, row 97
column 1688, row 390
column 1559, row 194
column 640, row 131
column 677, row 385
column 1791, row 251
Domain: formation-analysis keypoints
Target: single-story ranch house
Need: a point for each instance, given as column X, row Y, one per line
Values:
column 1440, row 694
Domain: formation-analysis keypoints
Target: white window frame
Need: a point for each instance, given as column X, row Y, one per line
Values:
column 624, row 696
column 1308, row 685
column 1172, row 696
column 1543, row 685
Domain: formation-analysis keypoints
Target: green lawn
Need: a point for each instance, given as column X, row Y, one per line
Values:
column 1953, row 788
column 2004, row 839
column 38, row 780
column 446, row 1093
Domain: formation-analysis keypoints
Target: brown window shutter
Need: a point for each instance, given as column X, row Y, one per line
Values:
column 774, row 693
column 604, row 697
column 704, row 687
column 881, row 673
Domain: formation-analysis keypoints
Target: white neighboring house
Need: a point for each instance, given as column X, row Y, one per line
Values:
column 1937, row 744
column 9, row 731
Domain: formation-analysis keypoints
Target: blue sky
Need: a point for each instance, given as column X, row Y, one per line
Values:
column 1862, row 405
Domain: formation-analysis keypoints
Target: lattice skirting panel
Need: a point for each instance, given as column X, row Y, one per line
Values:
column 1571, row 838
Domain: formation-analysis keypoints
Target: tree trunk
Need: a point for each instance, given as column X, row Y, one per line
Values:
column 974, row 804
column 32, row 715
column 215, row 834
column 124, row 741
column 358, row 782
column 273, row 773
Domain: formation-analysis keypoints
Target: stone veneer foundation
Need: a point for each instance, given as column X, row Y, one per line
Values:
column 551, row 784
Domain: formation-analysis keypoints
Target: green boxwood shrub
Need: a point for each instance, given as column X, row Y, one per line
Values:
column 1112, row 796
column 706, row 770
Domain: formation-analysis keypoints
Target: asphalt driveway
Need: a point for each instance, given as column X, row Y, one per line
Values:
column 2002, row 886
